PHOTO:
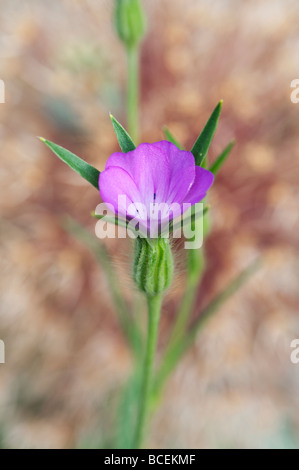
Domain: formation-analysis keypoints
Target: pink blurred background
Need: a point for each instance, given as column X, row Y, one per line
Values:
column 66, row 358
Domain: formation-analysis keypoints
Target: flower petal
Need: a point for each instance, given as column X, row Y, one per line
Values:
column 149, row 168
column 182, row 170
column 202, row 182
column 152, row 179
column 115, row 182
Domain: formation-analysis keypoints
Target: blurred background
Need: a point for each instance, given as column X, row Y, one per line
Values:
column 66, row 358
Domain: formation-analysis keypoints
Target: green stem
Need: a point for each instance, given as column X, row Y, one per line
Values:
column 133, row 91
column 154, row 309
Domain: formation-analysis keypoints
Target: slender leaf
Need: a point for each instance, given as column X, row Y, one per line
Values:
column 203, row 142
column 83, row 168
column 121, row 223
column 101, row 254
column 112, row 220
column 188, row 217
column 171, row 138
column 215, row 167
column 127, row 411
column 125, row 141
column 180, row 347
column 222, row 297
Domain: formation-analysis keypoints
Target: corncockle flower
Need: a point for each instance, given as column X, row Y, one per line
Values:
column 159, row 181
column 149, row 186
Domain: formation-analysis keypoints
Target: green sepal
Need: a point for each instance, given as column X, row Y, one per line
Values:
column 81, row 167
column 203, row 142
column 125, row 141
column 169, row 136
column 217, row 164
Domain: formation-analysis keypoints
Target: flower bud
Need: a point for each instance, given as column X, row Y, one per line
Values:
column 129, row 21
column 153, row 265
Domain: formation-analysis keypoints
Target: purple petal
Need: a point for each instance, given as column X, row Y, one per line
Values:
column 182, row 170
column 202, row 182
column 149, row 168
column 123, row 160
column 115, row 182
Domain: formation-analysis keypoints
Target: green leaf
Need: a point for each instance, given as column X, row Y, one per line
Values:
column 203, row 142
column 127, row 411
column 171, row 138
column 175, row 353
column 121, row 222
column 125, row 141
column 215, row 167
column 188, row 217
column 222, row 297
column 85, row 170
column 98, row 249
column 113, row 220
